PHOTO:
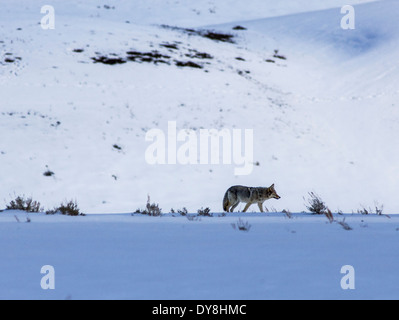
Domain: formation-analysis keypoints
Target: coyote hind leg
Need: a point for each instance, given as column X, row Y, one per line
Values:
column 246, row 207
column 234, row 206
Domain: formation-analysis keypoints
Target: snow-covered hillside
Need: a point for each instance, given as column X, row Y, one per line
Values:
column 324, row 119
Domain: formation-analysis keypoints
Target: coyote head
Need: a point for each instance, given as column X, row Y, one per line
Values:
column 273, row 193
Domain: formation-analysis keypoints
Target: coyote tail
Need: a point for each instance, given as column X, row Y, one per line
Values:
column 225, row 201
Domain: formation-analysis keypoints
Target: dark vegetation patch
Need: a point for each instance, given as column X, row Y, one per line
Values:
column 25, row 116
column 10, row 58
column 182, row 212
column 270, row 61
column 198, row 55
column 188, row 64
column 117, row 147
column 58, row 123
column 315, row 204
column 152, row 209
column 108, row 60
column 152, row 56
column 70, row 208
column 48, row 173
column 106, row 6
column 243, row 72
column 78, row 50
column 204, row 212
column 186, row 30
column 239, row 28
column 278, row 56
column 172, row 46
column 157, row 57
column 217, row 36
column 209, row 34
column 28, row 205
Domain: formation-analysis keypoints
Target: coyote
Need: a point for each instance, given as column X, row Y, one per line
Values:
column 236, row 194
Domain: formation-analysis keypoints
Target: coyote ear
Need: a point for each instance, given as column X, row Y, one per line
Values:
column 272, row 186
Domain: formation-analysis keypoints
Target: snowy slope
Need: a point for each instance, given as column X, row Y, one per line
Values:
column 324, row 120
column 182, row 13
column 350, row 102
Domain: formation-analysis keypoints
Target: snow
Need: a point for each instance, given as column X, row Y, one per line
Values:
column 325, row 119
column 320, row 118
column 141, row 257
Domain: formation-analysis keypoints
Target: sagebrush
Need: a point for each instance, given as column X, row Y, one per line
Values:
column 28, row 204
column 69, row 208
column 315, row 204
column 204, row 212
column 151, row 209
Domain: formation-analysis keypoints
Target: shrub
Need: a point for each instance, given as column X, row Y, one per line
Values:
column 108, row 60
column 182, row 212
column 276, row 55
column 151, row 209
column 28, row 205
column 272, row 209
column 329, row 215
column 287, row 213
column 378, row 209
column 204, row 212
column 315, row 204
column 217, row 36
column 52, row 211
column 363, row 211
column 69, row 209
column 190, row 64
column 48, row 173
